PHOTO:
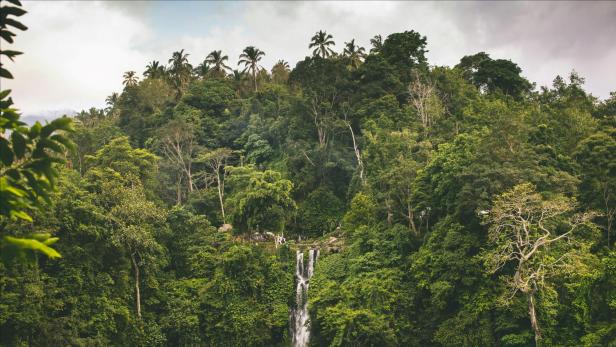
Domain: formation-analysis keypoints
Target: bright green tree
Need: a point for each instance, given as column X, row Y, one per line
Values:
column 261, row 199
column 536, row 237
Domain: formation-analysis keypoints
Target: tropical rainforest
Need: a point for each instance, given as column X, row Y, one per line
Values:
column 451, row 206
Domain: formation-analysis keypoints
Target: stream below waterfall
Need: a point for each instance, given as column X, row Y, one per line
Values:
column 300, row 319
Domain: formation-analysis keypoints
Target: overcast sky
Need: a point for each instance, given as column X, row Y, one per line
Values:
column 76, row 52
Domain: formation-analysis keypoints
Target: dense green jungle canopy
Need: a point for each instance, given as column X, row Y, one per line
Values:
column 454, row 206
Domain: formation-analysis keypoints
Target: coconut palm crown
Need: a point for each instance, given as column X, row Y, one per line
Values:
column 130, row 79
column 354, row 52
column 154, row 70
column 250, row 57
column 217, row 62
column 321, row 42
column 377, row 44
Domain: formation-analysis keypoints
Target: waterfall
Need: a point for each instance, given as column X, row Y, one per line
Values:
column 300, row 320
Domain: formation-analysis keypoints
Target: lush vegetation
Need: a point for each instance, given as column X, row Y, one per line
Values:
column 474, row 209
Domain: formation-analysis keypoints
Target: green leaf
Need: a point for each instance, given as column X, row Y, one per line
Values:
column 47, row 130
column 54, row 146
column 35, row 130
column 15, row 191
column 10, row 54
column 13, row 173
column 51, row 174
column 5, row 73
column 15, row 11
column 6, row 154
column 4, row 93
column 63, row 140
column 16, row 24
column 50, row 241
column 21, row 215
column 40, row 236
column 14, row 2
column 7, row 35
column 33, row 245
column 19, row 144
column 63, row 123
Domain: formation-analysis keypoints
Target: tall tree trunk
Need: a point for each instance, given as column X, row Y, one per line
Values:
column 179, row 190
column 190, row 180
column 390, row 214
column 319, row 123
column 137, row 291
column 360, row 163
column 220, row 195
column 410, row 216
column 254, row 77
column 533, row 316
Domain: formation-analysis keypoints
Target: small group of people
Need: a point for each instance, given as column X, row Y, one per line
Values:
column 278, row 239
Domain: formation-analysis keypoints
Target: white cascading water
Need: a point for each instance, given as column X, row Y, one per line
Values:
column 300, row 320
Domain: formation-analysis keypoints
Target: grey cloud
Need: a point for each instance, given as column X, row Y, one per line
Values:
column 570, row 28
column 544, row 38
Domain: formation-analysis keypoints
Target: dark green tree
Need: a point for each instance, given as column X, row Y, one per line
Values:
column 217, row 62
column 354, row 53
column 130, row 79
column 492, row 75
column 321, row 42
column 154, row 70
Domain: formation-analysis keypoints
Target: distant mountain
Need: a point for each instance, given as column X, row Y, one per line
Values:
column 46, row 115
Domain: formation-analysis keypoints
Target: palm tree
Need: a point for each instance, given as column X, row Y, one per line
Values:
column 283, row 64
column 280, row 72
column 250, row 57
column 179, row 60
column 180, row 70
column 130, row 79
column 377, row 44
column 241, row 83
column 354, row 53
column 112, row 101
column 217, row 61
column 154, row 70
column 321, row 42
column 202, row 69
column 236, row 75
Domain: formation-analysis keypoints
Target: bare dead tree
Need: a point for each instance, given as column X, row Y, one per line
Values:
column 322, row 111
column 216, row 160
column 424, row 99
column 522, row 232
column 178, row 144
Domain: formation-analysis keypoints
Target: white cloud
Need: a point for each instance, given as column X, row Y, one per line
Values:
column 74, row 55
